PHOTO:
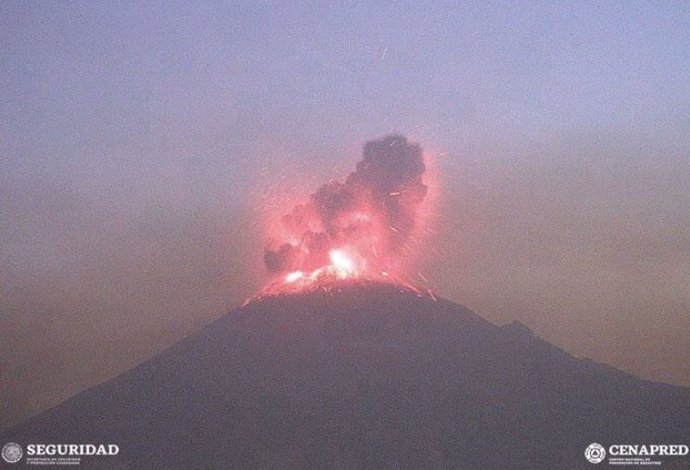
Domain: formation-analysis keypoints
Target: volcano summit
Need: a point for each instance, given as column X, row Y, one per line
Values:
column 364, row 375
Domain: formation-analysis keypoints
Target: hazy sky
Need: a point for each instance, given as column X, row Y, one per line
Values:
column 140, row 143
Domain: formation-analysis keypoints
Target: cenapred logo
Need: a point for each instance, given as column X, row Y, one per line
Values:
column 595, row 453
column 12, row 452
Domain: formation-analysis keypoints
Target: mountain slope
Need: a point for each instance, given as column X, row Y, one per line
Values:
column 363, row 377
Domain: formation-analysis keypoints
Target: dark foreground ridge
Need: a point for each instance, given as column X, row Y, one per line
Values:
column 367, row 376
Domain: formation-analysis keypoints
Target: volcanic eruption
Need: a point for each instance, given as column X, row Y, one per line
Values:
column 369, row 375
column 359, row 228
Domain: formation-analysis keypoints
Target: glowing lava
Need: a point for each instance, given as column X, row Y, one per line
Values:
column 294, row 276
column 342, row 262
column 362, row 229
column 341, row 266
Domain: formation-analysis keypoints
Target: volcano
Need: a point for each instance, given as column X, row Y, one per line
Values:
column 362, row 375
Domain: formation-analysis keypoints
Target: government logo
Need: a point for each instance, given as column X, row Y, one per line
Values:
column 595, row 453
column 11, row 452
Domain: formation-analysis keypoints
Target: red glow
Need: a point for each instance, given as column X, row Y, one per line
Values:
column 342, row 262
column 358, row 240
column 294, row 276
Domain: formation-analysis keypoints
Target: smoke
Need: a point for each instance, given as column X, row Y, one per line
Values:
column 371, row 215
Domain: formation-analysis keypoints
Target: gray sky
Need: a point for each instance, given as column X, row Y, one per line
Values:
column 140, row 144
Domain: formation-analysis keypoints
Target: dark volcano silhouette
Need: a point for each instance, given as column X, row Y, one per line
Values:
column 369, row 376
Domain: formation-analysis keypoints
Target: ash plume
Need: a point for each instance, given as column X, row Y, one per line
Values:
column 372, row 213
